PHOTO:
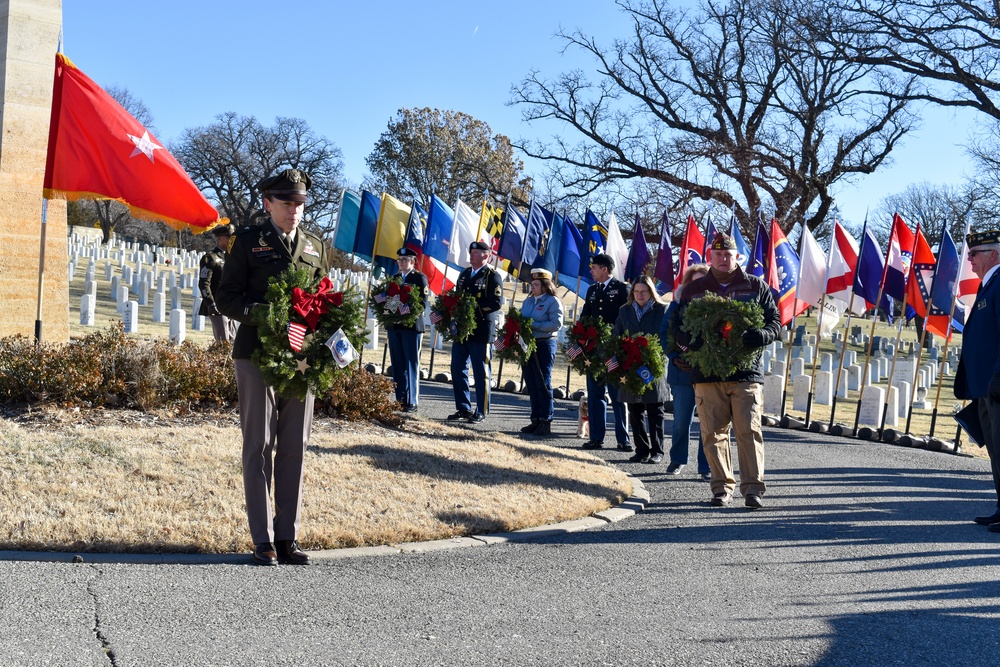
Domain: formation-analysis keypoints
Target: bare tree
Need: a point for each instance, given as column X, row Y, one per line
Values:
column 733, row 103
column 929, row 205
column 227, row 158
column 425, row 151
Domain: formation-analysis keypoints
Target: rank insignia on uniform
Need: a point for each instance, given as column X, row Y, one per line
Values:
column 262, row 241
column 204, row 272
column 981, row 304
column 232, row 240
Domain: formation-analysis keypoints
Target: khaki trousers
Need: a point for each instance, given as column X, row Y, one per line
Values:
column 275, row 436
column 740, row 404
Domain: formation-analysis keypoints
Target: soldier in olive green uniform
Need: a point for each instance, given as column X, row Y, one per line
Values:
column 209, row 278
column 272, row 426
column 484, row 284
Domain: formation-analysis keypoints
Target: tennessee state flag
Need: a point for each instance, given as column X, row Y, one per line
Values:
column 691, row 250
column 783, row 275
column 97, row 150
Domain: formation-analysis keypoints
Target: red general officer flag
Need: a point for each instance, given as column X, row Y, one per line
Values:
column 97, row 150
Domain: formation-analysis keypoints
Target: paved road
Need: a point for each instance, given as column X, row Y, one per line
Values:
column 865, row 555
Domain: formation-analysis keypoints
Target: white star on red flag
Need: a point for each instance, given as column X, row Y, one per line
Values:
column 144, row 145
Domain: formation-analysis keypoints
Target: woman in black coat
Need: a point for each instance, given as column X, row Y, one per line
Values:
column 643, row 314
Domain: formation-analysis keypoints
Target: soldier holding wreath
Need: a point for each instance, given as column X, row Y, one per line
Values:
column 723, row 320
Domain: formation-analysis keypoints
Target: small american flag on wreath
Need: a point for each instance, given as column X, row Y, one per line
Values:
column 574, row 351
column 296, row 335
column 611, row 364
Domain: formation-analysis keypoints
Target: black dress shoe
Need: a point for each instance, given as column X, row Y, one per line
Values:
column 476, row 418
column 264, row 554
column 639, row 458
column 625, row 448
column 593, row 445
column 675, row 468
column 988, row 520
column 655, row 458
column 461, row 414
column 409, row 408
column 530, row 428
column 289, row 552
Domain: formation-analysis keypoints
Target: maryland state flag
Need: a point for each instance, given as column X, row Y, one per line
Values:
column 97, row 150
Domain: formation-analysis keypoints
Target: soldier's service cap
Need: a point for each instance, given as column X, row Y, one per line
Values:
column 289, row 185
column 406, row 252
column 603, row 260
column 223, row 230
column 478, row 245
column 541, row 274
column 983, row 238
column 723, row 242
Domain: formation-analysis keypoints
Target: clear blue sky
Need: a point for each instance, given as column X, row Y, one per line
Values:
column 346, row 67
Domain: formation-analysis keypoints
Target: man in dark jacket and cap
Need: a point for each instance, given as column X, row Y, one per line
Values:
column 209, row 277
column 736, row 400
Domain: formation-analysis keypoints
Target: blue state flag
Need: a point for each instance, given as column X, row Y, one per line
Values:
column 512, row 237
column 944, row 288
column 416, row 227
column 440, row 220
column 869, row 273
column 573, row 271
column 364, row 241
column 347, row 221
column 665, row 257
column 758, row 260
column 638, row 254
column 710, row 234
column 742, row 249
column 597, row 234
column 536, row 235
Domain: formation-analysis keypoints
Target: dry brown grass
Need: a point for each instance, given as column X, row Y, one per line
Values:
column 152, row 488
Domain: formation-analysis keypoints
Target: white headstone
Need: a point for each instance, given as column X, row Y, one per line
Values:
column 88, row 305
column 903, row 371
column 122, row 299
column 130, row 317
column 853, row 374
column 144, row 293
column 372, row 325
column 874, row 377
column 892, row 412
column 197, row 322
column 826, row 362
column 800, row 392
column 765, row 360
column 90, row 287
column 774, row 386
column 903, row 388
column 108, row 270
column 778, row 368
column 115, row 283
column 159, row 307
column 872, row 402
column 842, row 388
column 178, row 320
column 798, row 367
column 824, row 388
column 175, row 298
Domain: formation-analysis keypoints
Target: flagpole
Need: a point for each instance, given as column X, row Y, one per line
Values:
column 819, row 337
column 840, row 364
column 41, row 270
column 371, row 278
column 899, row 329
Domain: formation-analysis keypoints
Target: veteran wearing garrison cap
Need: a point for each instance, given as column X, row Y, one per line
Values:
column 546, row 313
column 485, row 286
column 978, row 375
column 604, row 299
column 735, row 401
column 209, row 277
column 404, row 342
column 275, row 429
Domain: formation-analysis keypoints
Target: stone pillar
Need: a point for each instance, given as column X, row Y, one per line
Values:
column 29, row 33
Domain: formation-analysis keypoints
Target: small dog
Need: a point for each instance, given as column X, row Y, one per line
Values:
column 583, row 419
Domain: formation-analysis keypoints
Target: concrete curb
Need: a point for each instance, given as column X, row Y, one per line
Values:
column 633, row 504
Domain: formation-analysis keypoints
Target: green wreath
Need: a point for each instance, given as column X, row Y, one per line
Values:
column 454, row 315
column 293, row 373
column 635, row 363
column 395, row 303
column 515, row 341
column 719, row 323
column 585, row 345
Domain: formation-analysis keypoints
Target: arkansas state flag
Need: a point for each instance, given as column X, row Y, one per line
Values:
column 691, row 250
column 97, row 150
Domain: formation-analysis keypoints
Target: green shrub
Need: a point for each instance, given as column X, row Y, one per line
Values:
column 361, row 395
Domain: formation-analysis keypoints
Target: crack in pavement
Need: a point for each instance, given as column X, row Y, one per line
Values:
column 98, row 632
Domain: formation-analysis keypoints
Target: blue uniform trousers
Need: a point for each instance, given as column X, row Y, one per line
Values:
column 538, row 378
column 478, row 354
column 681, row 428
column 598, row 395
column 404, row 351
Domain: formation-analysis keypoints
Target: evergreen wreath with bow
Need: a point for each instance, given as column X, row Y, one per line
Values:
column 515, row 341
column 304, row 313
column 719, row 323
column 396, row 303
column 635, row 362
column 454, row 315
column 587, row 339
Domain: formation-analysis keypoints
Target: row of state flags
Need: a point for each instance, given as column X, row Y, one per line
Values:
column 98, row 150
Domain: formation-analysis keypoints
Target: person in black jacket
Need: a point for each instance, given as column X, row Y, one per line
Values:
column 484, row 284
column 272, row 426
column 404, row 342
column 604, row 300
column 736, row 400
column 209, row 277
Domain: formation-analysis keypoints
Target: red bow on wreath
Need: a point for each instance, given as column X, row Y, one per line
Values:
column 632, row 347
column 311, row 306
column 450, row 301
column 586, row 337
column 511, row 330
column 395, row 289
